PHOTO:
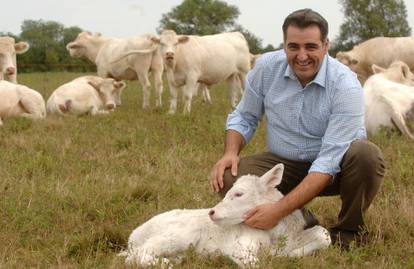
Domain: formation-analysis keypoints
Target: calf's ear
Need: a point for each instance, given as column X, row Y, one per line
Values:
column 273, row 177
column 183, row 39
column 405, row 71
column 377, row 69
column 155, row 40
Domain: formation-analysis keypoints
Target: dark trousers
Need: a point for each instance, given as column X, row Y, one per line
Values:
column 362, row 172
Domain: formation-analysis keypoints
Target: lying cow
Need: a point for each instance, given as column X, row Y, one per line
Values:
column 20, row 101
column 88, row 94
column 388, row 103
column 105, row 52
column 221, row 229
column 381, row 51
column 203, row 59
column 8, row 51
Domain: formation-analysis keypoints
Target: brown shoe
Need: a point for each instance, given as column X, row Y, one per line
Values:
column 345, row 239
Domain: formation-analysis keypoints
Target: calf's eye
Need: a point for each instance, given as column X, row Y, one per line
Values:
column 238, row 194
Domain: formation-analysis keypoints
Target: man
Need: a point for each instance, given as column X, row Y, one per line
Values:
column 315, row 125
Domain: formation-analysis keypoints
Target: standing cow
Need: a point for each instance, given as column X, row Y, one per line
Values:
column 104, row 52
column 8, row 51
column 209, row 59
column 381, row 51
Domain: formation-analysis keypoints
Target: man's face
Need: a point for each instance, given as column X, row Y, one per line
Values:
column 305, row 51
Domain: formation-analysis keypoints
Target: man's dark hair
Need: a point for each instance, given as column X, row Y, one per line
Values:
column 303, row 18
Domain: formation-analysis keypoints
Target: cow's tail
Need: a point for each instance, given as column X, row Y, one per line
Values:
column 144, row 51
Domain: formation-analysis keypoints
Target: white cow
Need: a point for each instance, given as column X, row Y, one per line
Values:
column 381, row 51
column 18, row 100
column 209, row 59
column 388, row 103
column 88, row 94
column 8, row 51
column 398, row 72
column 221, row 229
column 105, row 52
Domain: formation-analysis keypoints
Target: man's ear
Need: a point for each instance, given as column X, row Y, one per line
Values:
column 273, row 177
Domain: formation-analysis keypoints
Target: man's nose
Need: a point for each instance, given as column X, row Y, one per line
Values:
column 302, row 55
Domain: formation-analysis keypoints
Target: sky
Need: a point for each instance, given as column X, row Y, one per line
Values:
column 123, row 18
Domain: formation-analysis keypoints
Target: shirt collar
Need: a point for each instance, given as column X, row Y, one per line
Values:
column 320, row 78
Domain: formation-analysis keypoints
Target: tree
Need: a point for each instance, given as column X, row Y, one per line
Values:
column 47, row 41
column 200, row 17
column 365, row 19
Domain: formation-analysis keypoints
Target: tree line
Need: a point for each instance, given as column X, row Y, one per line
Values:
column 363, row 19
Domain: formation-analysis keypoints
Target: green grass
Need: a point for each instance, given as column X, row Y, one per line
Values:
column 72, row 189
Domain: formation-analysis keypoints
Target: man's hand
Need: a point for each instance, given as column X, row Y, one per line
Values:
column 216, row 176
column 265, row 216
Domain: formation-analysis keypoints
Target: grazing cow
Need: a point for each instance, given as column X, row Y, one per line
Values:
column 206, row 59
column 388, row 103
column 88, row 94
column 8, row 51
column 221, row 229
column 381, row 51
column 104, row 52
column 20, row 101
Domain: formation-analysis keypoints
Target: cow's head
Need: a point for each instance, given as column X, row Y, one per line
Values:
column 248, row 192
column 109, row 91
column 348, row 59
column 78, row 47
column 8, row 51
column 168, row 42
column 398, row 72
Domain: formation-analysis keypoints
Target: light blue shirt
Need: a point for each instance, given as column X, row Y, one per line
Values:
column 316, row 123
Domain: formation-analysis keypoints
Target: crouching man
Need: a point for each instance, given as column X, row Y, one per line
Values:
column 314, row 109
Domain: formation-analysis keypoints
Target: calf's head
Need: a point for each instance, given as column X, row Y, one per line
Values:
column 248, row 192
column 109, row 91
column 398, row 72
column 8, row 51
column 168, row 42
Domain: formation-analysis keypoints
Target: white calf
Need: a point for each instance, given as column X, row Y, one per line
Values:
column 387, row 103
column 88, row 94
column 19, row 100
column 221, row 228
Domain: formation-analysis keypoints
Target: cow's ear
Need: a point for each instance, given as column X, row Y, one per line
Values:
column 273, row 177
column 354, row 61
column 377, row 69
column 405, row 70
column 119, row 85
column 21, row 47
column 155, row 40
column 95, row 84
column 97, row 34
column 73, row 45
column 183, row 39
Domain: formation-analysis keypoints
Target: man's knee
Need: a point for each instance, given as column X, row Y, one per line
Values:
column 365, row 154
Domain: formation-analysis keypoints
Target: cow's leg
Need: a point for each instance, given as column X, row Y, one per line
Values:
column 205, row 91
column 173, row 100
column 30, row 109
column 159, row 87
column 1, row 122
column 242, row 81
column 188, row 90
column 309, row 241
column 234, row 85
column 145, row 83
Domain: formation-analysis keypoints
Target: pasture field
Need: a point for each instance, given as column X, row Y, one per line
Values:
column 72, row 189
